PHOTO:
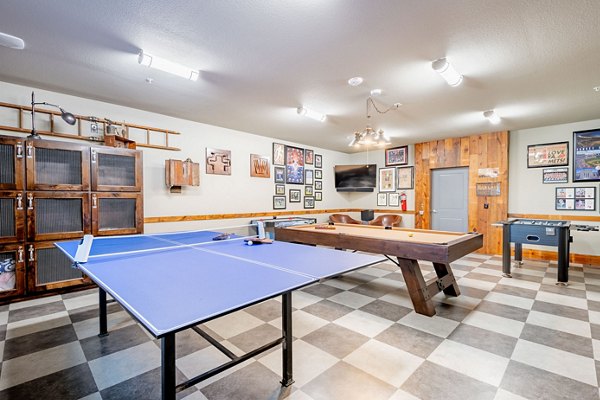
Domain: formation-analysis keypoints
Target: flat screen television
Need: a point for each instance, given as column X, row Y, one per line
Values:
column 355, row 178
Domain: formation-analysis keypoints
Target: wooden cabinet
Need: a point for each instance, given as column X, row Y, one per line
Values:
column 117, row 213
column 116, row 170
column 12, row 170
column 12, row 217
column 57, row 215
column 12, row 284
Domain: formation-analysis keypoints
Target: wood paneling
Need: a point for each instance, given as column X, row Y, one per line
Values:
column 488, row 150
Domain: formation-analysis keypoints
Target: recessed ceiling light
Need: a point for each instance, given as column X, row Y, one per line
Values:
column 149, row 80
column 375, row 92
column 596, row 88
column 12, row 42
column 357, row 80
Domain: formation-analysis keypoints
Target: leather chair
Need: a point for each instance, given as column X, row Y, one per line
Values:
column 342, row 219
column 387, row 220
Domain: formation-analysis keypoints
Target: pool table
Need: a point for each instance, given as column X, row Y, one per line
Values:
column 407, row 245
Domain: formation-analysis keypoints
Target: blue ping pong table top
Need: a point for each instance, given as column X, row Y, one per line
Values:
column 174, row 288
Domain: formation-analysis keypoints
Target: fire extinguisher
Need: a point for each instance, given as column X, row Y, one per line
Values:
column 403, row 201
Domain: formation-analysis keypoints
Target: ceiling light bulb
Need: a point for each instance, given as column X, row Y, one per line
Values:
column 443, row 67
column 492, row 116
column 148, row 60
column 376, row 92
column 12, row 42
column 355, row 141
column 357, row 80
column 307, row 112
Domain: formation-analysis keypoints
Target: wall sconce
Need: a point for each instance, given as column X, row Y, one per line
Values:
column 66, row 116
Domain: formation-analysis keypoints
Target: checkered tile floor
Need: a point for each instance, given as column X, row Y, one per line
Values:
column 356, row 338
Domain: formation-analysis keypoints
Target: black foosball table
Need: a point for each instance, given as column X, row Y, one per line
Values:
column 537, row 232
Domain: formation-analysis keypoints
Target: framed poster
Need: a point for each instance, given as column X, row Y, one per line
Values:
column 260, row 166
column 318, row 174
column 294, row 165
column 295, row 195
column 555, row 175
column 280, row 190
column 387, row 179
column 405, row 177
column 394, row 199
column 381, row 199
column 308, row 157
column 278, row 154
column 548, row 155
column 396, row 156
column 308, row 177
column 318, row 185
column 586, row 156
column 318, row 161
column 218, row 162
column 309, row 202
column 279, row 173
column 318, row 196
column 278, row 202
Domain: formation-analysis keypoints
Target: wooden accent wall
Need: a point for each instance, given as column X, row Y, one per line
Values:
column 488, row 150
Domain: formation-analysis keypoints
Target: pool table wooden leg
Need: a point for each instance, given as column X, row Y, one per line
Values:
column 446, row 279
column 417, row 287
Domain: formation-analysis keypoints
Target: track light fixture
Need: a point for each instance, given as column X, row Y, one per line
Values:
column 66, row 116
column 312, row 114
column 443, row 67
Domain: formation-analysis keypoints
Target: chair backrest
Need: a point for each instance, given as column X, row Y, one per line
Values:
column 342, row 219
column 387, row 220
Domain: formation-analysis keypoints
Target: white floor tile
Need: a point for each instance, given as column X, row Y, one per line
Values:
column 494, row 323
column 435, row 325
column 125, row 364
column 563, row 324
column 572, row 284
column 557, row 361
column 303, row 323
column 385, row 362
column 364, row 323
column 510, row 300
column 35, row 302
column 594, row 296
column 351, row 299
column 302, row 299
column 487, row 271
column 37, row 324
column 40, row 364
column 519, row 283
column 3, row 317
column 467, row 263
column 340, row 284
column 506, row 395
column 93, row 396
column 596, row 346
column 477, row 284
column 399, row 297
column 90, row 327
column 81, row 301
column 202, row 361
column 461, row 301
column 233, row 324
column 389, row 284
column 594, row 317
column 470, row 361
column 402, row 395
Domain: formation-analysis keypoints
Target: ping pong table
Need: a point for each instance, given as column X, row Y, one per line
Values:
column 174, row 281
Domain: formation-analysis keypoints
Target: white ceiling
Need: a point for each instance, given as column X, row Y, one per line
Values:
column 534, row 61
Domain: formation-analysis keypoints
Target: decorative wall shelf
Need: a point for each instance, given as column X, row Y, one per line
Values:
column 144, row 136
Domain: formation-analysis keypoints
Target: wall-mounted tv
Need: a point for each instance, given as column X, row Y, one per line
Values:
column 355, row 178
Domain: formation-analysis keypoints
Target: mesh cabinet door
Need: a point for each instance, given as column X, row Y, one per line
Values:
column 57, row 215
column 12, row 270
column 116, row 170
column 117, row 213
column 49, row 268
column 12, row 217
column 11, row 163
column 57, row 166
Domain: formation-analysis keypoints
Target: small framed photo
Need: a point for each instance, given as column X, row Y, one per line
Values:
column 396, row 156
column 309, row 157
column 318, row 174
column 318, row 161
column 394, row 199
column 406, row 178
column 278, row 202
column 565, row 204
column 585, row 204
column 565, row 193
column 295, row 195
column 382, row 199
column 279, row 173
column 308, row 176
column 318, row 185
column 308, row 190
column 309, row 202
column 548, row 155
column 318, row 196
column 280, row 190
column 555, row 175
column 387, row 179
column 278, row 154
column 260, row 166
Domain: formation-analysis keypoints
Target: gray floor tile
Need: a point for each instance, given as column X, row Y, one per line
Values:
column 503, row 310
column 473, row 292
column 336, row 340
column 483, row 277
column 256, row 337
column 266, row 311
column 409, row 339
column 328, row 310
column 143, row 387
column 323, row 291
column 386, row 310
column 515, row 291
column 484, row 339
column 35, row 311
column 560, row 310
column 593, row 305
column 451, row 311
column 560, row 340
column 83, row 313
column 116, row 340
column 38, row 341
column 566, row 291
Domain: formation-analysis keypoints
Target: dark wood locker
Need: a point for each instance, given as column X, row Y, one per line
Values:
column 12, row 284
column 12, row 166
column 116, row 170
column 57, row 215
column 117, row 213
column 12, row 216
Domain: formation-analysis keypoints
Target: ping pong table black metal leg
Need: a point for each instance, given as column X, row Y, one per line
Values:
column 286, row 325
column 563, row 257
column 506, row 250
column 103, row 314
column 167, row 369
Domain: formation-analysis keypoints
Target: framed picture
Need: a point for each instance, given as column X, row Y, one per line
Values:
column 279, row 173
column 382, row 199
column 308, row 177
column 548, row 155
column 555, row 175
column 280, row 190
column 308, row 190
column 387, row 179
column 405, row 177
column 308, row 157
column 260, row 166
column 318, row 185
column 278, row 154
column 309, row 202
column 295, row 195
column 318, row 161
column 564, row 204
column 318, row 196
column 586, row 156
column 565, row 193
column 396, row 156
column 318, row 174
column 278, row 202
column 394, row 199
column 294, row 165
column 218, row 162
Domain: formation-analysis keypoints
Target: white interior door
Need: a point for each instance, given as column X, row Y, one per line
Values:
column 450, row 199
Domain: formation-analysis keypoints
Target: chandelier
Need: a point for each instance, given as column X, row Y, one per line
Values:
column 370, row 136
